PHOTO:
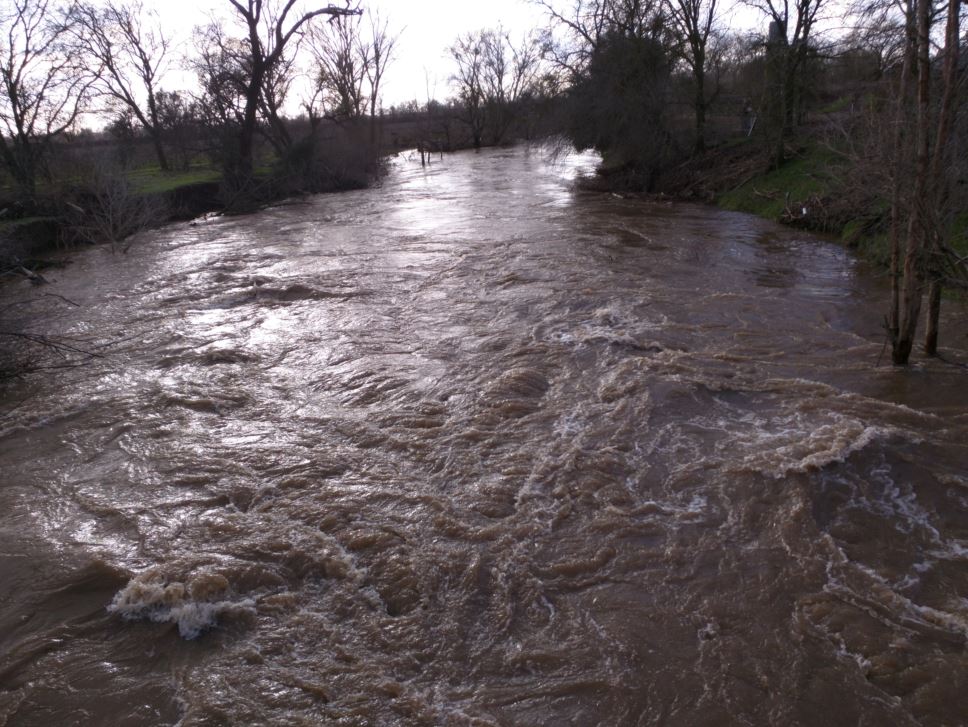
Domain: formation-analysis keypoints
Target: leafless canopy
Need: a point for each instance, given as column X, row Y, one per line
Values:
column 579, row 30
column 126, row 41
column 44, row 81
column 350, row 58
column 492, row 73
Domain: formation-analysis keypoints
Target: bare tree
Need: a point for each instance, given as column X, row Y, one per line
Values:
column 927, row 254
column 468, row 55
column 911, row 288
column 940, row 174
column 693, row 21
column 900, row 163
column 382, row 44
column 126, row 41
column 276, row 86
column 576, row 33
column 45, row 86
column 111, row 210
column 789, row 47
column 220, row 64
column 180, row 117
column 493, row 76
column 269, row 28
column 341, row 61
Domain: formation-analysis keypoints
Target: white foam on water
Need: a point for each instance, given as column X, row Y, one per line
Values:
column 952, row 550
column 605, row 326
column 194, row 608
column 877, row 590
column 798, row 444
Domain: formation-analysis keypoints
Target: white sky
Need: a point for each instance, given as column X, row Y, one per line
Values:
column 426, row 28
column 421, row 67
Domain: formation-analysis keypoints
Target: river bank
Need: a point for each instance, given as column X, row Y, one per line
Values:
column 818, row 189
column 26, row 242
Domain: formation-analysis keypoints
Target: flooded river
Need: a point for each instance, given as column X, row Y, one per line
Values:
column 479, row 448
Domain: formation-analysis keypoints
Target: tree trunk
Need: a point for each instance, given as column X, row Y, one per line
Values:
column 912, row 288
column 900, row 159
column 159, row 151
column 239, row 175
column 700, row 109
column 934, row 313
column 938, row 189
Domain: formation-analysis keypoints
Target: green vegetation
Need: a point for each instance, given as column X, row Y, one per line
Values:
column 783, row 193
column 151, row 180
column 959, row 233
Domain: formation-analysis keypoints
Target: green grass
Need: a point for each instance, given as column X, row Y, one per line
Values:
column 959, row 233
column 853, row 231
column 151, row 180
column 841, row 104
column 876, row 249
column 812, row 173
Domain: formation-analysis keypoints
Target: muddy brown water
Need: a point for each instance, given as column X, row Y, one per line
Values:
column 479, row 448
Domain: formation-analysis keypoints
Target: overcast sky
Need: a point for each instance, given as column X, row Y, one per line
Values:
column 426, row 28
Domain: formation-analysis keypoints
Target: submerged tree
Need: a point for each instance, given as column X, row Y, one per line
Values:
column 618, row 56
column 928, row 259
column 619, row 106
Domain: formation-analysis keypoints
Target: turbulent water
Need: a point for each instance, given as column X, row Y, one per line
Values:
column 479, row 448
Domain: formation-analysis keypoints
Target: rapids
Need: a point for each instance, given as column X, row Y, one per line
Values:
column 476, row 447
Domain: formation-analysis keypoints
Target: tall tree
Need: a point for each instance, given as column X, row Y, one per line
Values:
column 382, row 46
column 792, row 35
column 577, row 31
column 220, row 64
column 493, row 76
column 619, row 106
column 939, row 174
column 269, row 28
column 340, row 66
column 693, row 21
column 127, row 42
column 900, row 162
column 45, row 86
column 912, row 285
column 468, row 55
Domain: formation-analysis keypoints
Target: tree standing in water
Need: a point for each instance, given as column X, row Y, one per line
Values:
column 926, row 253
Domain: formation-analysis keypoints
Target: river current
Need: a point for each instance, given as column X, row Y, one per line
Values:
column 477, row 447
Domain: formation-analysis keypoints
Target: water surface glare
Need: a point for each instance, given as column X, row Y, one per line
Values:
column 476, row 447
